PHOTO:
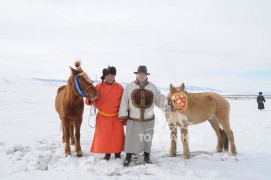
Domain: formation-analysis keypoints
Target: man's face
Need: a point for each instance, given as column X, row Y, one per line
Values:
column 109, row 78
column 141, row 77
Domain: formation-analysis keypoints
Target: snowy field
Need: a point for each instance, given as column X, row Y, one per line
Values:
column 31, row 148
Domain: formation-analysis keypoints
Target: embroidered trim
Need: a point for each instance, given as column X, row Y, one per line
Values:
column 141, row 120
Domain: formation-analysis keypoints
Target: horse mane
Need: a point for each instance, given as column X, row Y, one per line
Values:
column 78, row 65
column 78, row 69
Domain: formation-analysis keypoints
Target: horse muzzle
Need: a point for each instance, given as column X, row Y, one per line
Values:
column 94, row 97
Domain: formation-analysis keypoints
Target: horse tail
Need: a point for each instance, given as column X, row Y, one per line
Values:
column 225, row 141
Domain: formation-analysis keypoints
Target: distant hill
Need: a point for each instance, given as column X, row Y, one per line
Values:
column 11, row 84
column 124, row 84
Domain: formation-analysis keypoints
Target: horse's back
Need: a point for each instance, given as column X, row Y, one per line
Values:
column 220, row 101
column 59, row 98
column 208, row 97
column 201, row 106
column 63, row 106
column 61, row 88
column 221, row 106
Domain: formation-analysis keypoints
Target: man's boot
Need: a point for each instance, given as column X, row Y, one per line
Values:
column 117, row 155
column 107, row 156
column 127, row 159
column 147, row 158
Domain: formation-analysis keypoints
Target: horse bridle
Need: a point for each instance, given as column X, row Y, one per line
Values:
column 174, row 99
column 172, row 108
column 80, row 91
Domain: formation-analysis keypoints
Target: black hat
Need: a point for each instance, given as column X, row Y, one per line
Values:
column 110, row 70
column 142, row 69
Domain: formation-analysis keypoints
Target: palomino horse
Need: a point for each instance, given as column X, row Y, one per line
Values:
column 194, row 108
column 70, row 106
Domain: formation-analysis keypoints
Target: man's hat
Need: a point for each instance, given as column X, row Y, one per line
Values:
column 110, row 70
column 142, row 69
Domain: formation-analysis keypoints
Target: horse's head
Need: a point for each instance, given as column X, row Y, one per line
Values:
column 177, row 97
column 83, row 83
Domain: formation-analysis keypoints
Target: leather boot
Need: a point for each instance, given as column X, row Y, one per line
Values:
column 147, row 158
column 117, row 155
column 127, row 159
column 107, row 156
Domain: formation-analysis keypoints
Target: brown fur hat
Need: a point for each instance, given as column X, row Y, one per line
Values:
column 110, row 70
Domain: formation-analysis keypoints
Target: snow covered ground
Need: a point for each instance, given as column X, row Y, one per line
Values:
column 31, row 148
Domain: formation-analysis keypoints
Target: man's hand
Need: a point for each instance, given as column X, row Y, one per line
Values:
column 124, row 121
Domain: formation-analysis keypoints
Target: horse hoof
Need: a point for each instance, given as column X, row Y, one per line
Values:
column 172, row 155
column 68, row 154
column 218, row 150
column 186, row 156
column 79, row 155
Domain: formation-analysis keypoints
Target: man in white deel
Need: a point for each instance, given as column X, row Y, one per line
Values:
column 137, row 103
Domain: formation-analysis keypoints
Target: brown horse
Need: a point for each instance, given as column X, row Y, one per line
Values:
column 194, row 108
column 70, row 106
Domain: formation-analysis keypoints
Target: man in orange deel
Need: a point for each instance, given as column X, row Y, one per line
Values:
column 109, row 132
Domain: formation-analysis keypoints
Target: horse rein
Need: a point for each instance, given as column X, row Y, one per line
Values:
column 85, row 91
column 92, row 108
column 167, row 113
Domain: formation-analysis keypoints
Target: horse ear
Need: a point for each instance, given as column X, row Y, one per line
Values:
column 73, row 71
column 80, row 69
column 172, row 88
column 182, row 86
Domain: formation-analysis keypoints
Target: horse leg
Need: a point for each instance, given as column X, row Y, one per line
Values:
column 72, row 133
column 63, row 135
column 66, row 128
column 184, row 137
column 77, row 138
column 230, row 136
column 173, row 139
column 215, row 125
column 226, row 127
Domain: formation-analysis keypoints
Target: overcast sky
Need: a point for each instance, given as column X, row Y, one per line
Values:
column 220, row 44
